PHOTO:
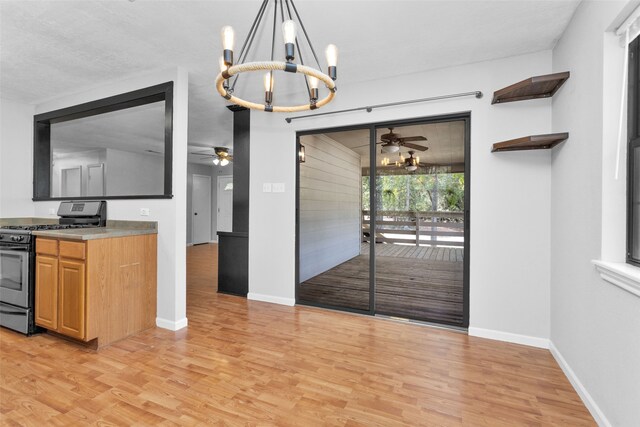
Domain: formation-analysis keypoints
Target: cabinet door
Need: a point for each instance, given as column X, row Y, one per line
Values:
column 71, row 308
column 46, row 309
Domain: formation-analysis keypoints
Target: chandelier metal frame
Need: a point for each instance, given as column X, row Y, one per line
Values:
column 228, row 70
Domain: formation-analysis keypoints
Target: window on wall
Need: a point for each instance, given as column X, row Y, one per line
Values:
column 633, row 154
column 112, row 148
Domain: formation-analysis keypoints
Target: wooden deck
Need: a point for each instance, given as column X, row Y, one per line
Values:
column 429, row 253
column 416, row 282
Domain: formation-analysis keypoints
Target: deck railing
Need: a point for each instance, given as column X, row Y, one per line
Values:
column 417, row 228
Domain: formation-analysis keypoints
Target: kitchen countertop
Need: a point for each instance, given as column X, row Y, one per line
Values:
column 27, row 221
column 114, row 228
column 94, row 233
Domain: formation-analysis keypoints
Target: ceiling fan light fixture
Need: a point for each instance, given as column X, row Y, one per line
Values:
column 224, row 162
column 390, row 148
column 216, row 161
column 411, row 163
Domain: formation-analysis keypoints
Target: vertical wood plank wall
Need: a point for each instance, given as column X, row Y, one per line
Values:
column 330, row 205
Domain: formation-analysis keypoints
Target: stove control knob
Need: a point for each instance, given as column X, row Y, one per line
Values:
column 17, row 238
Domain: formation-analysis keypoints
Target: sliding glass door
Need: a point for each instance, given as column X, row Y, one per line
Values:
column 333, row 259
column 420, row 201
column 395, row 244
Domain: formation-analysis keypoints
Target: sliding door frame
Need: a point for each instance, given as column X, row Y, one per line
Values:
column 373, row 127
column 372, row 151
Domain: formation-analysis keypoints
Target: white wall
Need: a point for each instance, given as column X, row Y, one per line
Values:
column 169, row 213
column 82, row 159
column 510, row 192
column 595, row 326
column 130, row 173
column 16, row 161
column 330, row 205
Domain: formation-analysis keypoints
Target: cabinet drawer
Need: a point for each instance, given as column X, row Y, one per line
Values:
column 70, row 249
column 47, row 246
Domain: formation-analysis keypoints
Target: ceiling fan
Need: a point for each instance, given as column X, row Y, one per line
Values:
column 391, row 142
column 221, row 155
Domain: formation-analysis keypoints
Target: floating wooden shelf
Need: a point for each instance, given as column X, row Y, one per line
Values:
column 533, row 142
column 531, row 88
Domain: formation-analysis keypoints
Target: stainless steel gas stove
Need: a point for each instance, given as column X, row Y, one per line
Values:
column 17, row 260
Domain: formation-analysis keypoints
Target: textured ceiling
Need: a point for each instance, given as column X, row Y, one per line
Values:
column 53, row 48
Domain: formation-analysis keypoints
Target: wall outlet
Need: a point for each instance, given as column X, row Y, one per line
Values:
column 266, row 187
column 278, row 187
column 144, row 211
column 52, row 211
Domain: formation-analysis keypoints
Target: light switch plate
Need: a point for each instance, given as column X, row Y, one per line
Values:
column 266, row 187
column 52, row 211
column 278, row 187
column 144, row 211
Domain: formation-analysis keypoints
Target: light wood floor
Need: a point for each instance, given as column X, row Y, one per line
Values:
column 250, row 363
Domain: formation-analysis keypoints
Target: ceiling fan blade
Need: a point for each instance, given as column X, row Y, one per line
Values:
column 202, row 154
column 366, row 145
column 415, row 146
column 412, row 138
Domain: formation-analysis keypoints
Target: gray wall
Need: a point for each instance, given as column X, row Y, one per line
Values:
column 330, row 205
column 213, row 172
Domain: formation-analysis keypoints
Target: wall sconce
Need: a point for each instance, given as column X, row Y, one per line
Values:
column 301, row 155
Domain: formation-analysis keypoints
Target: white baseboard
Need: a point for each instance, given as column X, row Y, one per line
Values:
column 271, row 299
column 509, row 337
column 171, row 325
column 588, row 401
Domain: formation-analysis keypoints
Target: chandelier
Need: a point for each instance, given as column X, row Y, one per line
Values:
column 230, row 70
column 409, row 163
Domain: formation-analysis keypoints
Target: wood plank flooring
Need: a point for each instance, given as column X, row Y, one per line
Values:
column 251, row 363
column 417, row 282
column 429, row 253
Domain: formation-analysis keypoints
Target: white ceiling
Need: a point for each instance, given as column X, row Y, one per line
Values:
column 52, row 48
column 445, row 143
column 136, row 129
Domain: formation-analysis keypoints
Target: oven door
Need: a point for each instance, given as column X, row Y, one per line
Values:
column 14, row 275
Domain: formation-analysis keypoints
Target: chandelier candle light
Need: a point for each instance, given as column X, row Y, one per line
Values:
column 229, row 69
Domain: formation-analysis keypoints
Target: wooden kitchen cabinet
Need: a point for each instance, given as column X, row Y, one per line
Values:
column 71, row 298
column 98, row 290
column 46, row 305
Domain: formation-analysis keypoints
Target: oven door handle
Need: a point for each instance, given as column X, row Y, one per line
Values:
column 14, row 248
column 20, row 313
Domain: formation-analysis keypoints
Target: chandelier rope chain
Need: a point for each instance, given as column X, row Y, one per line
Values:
column 312, row 76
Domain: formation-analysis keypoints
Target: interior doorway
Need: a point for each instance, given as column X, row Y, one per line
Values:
column 225, row 203
column 382, row 219
column 201, row 209
column 71, row 182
